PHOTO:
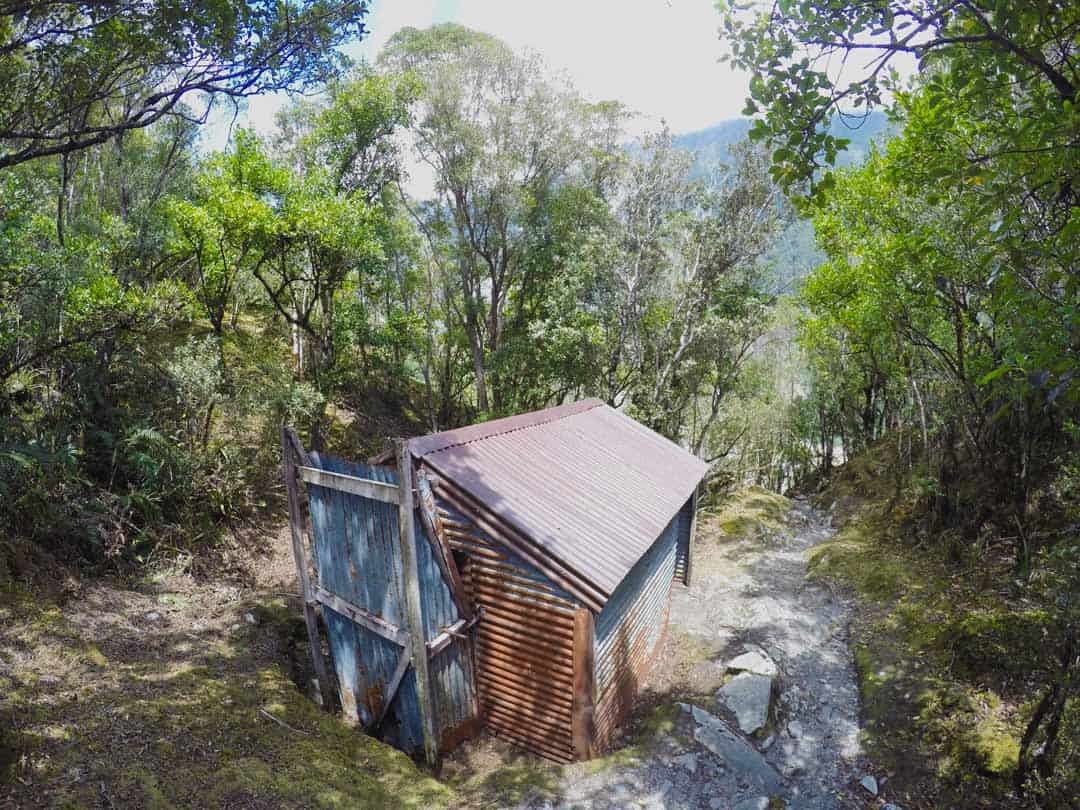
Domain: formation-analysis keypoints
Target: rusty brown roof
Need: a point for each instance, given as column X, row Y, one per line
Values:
column 587, row 484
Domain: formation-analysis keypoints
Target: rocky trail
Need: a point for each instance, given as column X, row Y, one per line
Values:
column 773, row 717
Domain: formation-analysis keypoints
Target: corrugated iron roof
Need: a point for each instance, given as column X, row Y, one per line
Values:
column 588, row 485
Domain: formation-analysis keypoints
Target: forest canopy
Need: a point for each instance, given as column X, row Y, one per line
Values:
column 166, row 310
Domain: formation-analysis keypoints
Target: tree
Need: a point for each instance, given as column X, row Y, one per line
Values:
column 76, row 74
column 802, row 59
column 498, row 135
column 346, row 146
column 221, row 234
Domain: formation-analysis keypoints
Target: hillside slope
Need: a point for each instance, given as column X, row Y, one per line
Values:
column 795, row 254
column 950, row 653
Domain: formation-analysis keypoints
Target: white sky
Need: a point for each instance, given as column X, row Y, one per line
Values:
column 660, row 57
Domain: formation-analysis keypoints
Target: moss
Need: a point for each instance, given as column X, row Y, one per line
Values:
column 624, row 757
column 92, row 655
column 172, row 600
column 993, row 640
column 146, row 783
column 278, row 615
column 662, row 720
column 749, row 511
column 995, row 747
column 921, row 637
column 513, row 784
column 163, row 732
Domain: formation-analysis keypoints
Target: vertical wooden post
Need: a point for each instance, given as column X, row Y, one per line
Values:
column 413, row 608
column 290, row 446
column 583, row 726
column 690, row 539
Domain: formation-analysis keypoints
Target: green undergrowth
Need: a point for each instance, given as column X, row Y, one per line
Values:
column 941, row 662
column 195, row 722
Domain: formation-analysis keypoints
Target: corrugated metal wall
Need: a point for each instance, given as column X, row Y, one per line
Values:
column 682, row 551
column 629, row 628
column 525, row 641
column 357, row 557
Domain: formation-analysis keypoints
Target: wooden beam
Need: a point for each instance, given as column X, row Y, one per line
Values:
column 447, row 636
column 395, row 682
column 583, row 730
column 360, row 616
column 413, row 604
column 439, row 544
column 364, row 487
column 292, row 451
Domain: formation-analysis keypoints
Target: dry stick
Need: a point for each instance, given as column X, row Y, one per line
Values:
column 282, row 723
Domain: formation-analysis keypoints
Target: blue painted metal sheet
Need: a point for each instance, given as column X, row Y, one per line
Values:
column 357, row 557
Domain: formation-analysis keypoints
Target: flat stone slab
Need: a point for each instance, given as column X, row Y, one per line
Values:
column 749, row 697
column 740, row 756
column 754, row 661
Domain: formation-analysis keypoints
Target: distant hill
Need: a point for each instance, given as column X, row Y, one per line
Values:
column 795, row 253
column 713, row 144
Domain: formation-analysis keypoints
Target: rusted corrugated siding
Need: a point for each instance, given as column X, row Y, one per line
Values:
column 524, row 641
column 358, row 558
column 683, row 549
column 629, row 629
column 591, row 488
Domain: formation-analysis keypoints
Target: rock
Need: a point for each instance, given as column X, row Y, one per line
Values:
column 745, row 760
column 665, row 788
column 153, row 616
column 891, row 806
column 249, row 617
column 749, row 697
column 768, row 742
column 688, row 761
column 757, row 803
column 795, row 729
column 755, row 661
column 869, row 784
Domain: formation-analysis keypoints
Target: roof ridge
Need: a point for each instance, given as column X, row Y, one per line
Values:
column 456, row 437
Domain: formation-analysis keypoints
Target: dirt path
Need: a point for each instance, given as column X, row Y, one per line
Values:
column 749, row 593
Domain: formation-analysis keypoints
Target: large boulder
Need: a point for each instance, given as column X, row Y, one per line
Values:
column 755, row 661
column 739, row 755
column 749, row 697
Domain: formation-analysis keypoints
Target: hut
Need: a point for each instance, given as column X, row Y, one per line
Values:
column 546, row 548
